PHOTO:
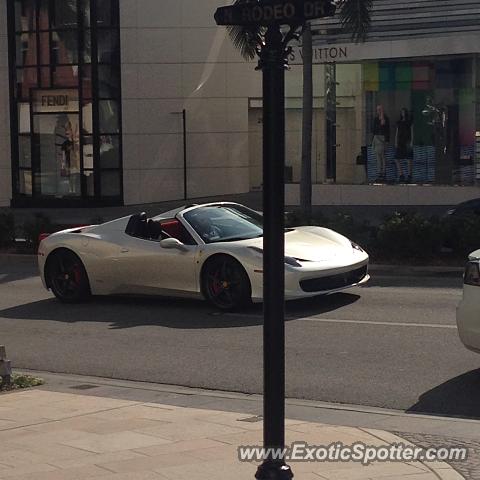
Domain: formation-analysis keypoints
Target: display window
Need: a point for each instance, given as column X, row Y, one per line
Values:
column 67, row 112
column 420, row 121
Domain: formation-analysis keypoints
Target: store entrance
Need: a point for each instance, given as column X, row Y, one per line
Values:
column 56, row 144
column 56, row 154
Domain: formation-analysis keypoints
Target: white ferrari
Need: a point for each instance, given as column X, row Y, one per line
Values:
column 468, row 312
column 211, row 251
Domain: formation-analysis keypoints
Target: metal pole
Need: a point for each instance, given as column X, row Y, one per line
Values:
column 185, row 191
column 272, row 62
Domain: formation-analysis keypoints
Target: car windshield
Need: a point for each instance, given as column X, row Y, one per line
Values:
column 225, row 223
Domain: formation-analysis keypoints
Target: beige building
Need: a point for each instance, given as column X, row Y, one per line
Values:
column 93, row 105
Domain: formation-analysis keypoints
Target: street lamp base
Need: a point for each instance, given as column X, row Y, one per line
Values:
column 270, row 470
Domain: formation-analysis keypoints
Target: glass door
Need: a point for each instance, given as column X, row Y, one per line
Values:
column 56, row 153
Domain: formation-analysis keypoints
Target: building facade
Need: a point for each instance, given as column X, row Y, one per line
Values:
column 109, row 102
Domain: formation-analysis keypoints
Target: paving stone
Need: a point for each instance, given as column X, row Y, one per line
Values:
column 190, row 430
column 199, row 445
column 152, row 463
column 18, row 470
column 96, row 459
column 80, row 473
column 112, row 442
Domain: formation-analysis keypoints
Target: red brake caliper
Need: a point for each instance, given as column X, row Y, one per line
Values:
column 217, row 285
column 77, row 274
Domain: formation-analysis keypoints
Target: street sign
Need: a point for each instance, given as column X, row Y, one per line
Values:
column 271, row 12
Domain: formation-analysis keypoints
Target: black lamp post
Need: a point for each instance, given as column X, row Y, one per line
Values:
column 272, row 63
column 273, row 55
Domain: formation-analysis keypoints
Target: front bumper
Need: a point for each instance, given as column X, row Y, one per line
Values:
column 296, row 277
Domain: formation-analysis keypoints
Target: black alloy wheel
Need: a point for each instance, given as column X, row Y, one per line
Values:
column 67, row 277
column 225, row 283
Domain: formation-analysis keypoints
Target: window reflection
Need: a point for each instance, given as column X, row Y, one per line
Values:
column 24, row 152
column 109, row 82
column 108, row 47
column 110, row 184
column 109, row 151
column 65, row 14
column 25, row 15
column 109, row 121
column 107, row 13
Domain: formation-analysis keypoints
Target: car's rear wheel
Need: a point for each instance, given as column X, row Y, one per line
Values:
column 225, row 284
column 67, row 277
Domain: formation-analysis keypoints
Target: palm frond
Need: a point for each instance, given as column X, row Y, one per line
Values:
column 246, row 39
column 355, row 17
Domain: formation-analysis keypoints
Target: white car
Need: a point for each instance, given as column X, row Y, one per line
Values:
column 468, row 312
column 212, row 251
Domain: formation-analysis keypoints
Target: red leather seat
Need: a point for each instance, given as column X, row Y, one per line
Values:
column 174, row 229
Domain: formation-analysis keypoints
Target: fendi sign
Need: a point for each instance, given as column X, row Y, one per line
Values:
column 55, row 101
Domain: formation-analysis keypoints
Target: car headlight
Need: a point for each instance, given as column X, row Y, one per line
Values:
column 355, row 246
column 472, row 274
column 294, row 262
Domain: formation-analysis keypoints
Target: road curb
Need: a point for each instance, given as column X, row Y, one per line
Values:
column 311, row 410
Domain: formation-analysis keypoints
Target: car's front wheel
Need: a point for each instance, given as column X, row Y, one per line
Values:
column 225, row 284
column 67, row 277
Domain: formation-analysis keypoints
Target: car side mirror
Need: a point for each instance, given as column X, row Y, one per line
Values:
column 172, row 243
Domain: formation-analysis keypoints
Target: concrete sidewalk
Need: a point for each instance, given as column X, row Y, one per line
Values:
column 88, row 428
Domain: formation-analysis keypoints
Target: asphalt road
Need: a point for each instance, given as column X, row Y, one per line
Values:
column 392, row 344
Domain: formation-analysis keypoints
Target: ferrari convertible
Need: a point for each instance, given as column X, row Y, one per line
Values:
column 212, row 251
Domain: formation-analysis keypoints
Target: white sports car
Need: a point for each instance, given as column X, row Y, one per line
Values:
column 212, row 251
column 468, row 312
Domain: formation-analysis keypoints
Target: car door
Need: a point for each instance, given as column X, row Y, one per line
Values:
column 145, row 267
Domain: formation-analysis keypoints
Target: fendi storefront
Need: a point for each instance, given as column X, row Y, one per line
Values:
column 65, row 109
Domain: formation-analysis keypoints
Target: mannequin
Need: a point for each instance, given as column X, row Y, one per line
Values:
column 381, row 137
column 404, row 145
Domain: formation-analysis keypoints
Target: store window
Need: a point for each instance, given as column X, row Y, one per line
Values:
column 65, row 72
column 430, row 108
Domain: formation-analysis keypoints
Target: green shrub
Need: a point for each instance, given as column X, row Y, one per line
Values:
column 409, row 236
column 32, row 229
column 296, row 218
column 19, row 381
column 361, row 233
column 7, row 230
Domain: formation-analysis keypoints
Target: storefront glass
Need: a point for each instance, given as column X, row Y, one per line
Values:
column 430, row 132
column 67, row 143
column 429, row 113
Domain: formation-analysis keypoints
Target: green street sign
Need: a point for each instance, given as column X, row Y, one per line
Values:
column 270, row 12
